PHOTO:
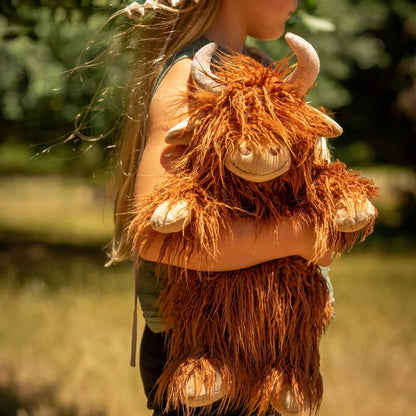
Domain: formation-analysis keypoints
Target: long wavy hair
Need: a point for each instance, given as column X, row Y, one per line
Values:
column 151, row 40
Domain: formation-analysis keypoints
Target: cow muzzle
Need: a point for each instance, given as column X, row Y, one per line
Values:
column 257, row 165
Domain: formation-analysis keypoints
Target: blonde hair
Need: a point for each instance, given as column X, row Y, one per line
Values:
column 157, row 36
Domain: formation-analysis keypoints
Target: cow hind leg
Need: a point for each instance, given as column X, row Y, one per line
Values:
column 277, row 390
column 289, row 399
column 203, row 383
column 190, row 384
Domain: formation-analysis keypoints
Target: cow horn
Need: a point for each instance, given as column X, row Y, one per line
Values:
column 177, row 134
column 308, row 65
column 201, row 69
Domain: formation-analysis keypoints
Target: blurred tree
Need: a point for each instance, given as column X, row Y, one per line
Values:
column 368, row 75
column 40, row 41
column 381, row 48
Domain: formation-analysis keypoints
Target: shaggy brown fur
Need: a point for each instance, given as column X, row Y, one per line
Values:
column 261, row 326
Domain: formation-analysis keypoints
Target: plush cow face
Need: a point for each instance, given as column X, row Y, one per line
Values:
column 264, row 125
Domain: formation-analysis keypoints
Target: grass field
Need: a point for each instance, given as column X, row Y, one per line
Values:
column 65, row 346
column 65, row 322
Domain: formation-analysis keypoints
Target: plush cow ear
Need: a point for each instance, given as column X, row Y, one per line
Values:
column 322, row 151
column 330, row 128
column 179, row 134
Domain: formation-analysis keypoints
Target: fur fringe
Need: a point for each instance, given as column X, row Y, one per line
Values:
column 259, row 327
column 286, row 304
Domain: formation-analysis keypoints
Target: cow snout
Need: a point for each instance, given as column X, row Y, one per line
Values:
column 258, row 164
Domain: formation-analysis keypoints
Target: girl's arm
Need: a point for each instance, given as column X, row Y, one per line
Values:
column 246, row 243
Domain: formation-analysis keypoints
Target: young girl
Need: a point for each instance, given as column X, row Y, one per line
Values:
column 168, row 33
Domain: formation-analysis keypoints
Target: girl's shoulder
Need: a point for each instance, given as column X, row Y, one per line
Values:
column 185, row 54
column 164, row 113
column 171, row 84
column 166, row 108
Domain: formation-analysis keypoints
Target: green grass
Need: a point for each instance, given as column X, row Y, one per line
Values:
column 369, row 352
column 54, row 210
column 65, row 344
column 72, row 338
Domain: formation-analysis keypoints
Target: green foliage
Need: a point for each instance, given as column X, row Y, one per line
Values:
column 368, row 76
column 344, row 42
column 35, row 52
column 40, row 96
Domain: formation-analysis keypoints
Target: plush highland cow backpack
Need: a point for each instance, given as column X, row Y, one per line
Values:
column 253, row 148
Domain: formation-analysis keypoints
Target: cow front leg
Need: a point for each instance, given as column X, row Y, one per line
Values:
column 351, row 216
column 170, row 217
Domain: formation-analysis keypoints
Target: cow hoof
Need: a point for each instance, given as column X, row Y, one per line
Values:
column 204, row 385
column 286, row 402
column 170, row 218
column 351, row 216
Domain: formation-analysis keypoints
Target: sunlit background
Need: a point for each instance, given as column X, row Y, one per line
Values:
column 65, row 319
